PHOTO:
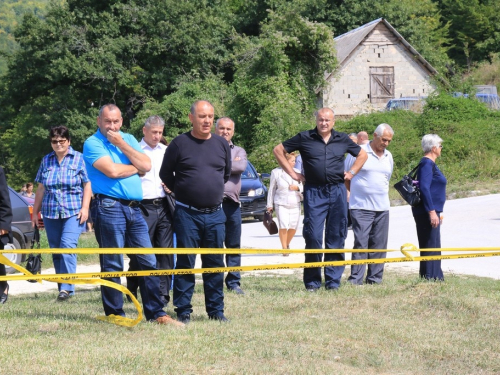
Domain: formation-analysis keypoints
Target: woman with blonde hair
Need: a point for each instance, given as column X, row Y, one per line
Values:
column 285, row 195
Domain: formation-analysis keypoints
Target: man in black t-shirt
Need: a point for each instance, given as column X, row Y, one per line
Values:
column 196, row 166
column 325, row 196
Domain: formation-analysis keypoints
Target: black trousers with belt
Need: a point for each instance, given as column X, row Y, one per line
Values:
column 161, row 233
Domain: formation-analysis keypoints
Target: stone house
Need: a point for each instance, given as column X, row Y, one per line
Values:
column 376, row 64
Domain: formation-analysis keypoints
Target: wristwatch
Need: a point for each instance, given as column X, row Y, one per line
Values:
column 352, row 172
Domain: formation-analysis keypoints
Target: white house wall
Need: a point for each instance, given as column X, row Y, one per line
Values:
column 349, row 90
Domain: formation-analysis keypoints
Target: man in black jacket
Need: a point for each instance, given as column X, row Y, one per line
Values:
column 5, row 228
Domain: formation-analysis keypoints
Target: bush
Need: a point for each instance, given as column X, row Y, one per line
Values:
column 470, row 133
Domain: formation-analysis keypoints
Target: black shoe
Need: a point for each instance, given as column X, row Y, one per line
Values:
column 5, row 295
column 63, row 296
column 236, row 289
column 220, row 317
column 184, row 318
column 312, row 289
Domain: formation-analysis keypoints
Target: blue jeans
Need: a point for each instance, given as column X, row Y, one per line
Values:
column 64, row 234
column 198, row 230
column 120, row 226
column 232, row 240
column 325, row 206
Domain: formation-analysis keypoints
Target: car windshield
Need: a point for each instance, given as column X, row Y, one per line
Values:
column 249, row 172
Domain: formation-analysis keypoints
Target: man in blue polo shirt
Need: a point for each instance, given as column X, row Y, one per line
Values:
column 325, row 195
column 114, row 161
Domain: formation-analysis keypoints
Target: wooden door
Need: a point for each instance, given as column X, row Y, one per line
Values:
column 381, row 84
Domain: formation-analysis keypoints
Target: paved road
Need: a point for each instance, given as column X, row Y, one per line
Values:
column 468, row 222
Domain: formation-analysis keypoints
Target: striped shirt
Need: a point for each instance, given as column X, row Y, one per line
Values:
column 63, row 184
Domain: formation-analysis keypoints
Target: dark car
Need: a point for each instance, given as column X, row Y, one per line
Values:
column 253, row 194
column 409, row 104
column 22, row 230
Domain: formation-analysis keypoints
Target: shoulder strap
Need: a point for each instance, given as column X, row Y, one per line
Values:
column 413, row 172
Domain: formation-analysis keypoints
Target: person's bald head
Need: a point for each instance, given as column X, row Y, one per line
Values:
column 363, row 138
column 325, row 121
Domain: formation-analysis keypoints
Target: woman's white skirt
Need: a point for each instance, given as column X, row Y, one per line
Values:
column 288, row 216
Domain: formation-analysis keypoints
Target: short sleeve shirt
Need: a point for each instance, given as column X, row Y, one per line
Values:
column 323, row 163
column 63, row 183
column 98, row 146
column 370, row 186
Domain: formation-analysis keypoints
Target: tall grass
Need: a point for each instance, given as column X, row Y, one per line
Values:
column 404, row 326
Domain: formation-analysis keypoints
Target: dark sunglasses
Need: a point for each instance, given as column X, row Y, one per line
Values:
column 58, row 141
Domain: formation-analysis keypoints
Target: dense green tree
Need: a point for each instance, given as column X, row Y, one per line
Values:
column 88, row 53
column 273, row 92
column 474, row 29
column 11, row 15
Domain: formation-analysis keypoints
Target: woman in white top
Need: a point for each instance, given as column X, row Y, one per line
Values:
column 285, row 195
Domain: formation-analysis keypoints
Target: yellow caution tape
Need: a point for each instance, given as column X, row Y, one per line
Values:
column 96, row 278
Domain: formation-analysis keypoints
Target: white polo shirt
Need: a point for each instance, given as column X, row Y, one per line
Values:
column 370, row 186
column 151, row 182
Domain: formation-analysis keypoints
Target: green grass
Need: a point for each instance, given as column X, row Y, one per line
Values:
column 404, row 326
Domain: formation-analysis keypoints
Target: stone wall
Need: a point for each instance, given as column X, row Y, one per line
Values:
column 349, row 90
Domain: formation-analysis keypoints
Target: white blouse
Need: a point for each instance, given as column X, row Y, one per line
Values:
column 279, row 189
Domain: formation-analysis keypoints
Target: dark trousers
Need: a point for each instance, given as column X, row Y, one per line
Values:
column 3, row 284
column 120, row 226
column 198, row 230
column 429, row 238
column 232, row 241
column 325, row 206
column 161, row 233
column 371, row 231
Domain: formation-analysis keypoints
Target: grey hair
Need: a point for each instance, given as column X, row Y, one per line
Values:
column 111, row 107
column 154, row 121
column 193, row 107
column 353, row 135
column 429, row 141
column 223, row 118
column 383, row 127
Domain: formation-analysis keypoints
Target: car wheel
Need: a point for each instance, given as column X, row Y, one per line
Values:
column 15, row 258
column 260, row 218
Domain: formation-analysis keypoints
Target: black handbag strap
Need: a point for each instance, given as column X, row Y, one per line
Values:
column 413, row 172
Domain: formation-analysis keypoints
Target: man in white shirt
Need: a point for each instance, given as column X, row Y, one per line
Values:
column 155, row 202
column 369, row 204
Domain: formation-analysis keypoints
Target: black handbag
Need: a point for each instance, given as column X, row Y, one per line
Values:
column 408, row 188
column 34, row 261
column 269, row 223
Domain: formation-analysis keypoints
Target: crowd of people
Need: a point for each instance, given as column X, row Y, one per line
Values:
column 147, row 195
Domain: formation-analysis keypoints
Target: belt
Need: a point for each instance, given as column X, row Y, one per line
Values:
column 125, row 202
column 156, row 201
column 208, row 210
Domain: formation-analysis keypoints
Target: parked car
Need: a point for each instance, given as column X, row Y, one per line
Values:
column 22, row 230
column 31, row 202
column 491, row 100
column 253, row 194
column 415, row 104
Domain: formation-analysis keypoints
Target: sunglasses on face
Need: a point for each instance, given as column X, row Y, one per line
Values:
column 58, row 141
